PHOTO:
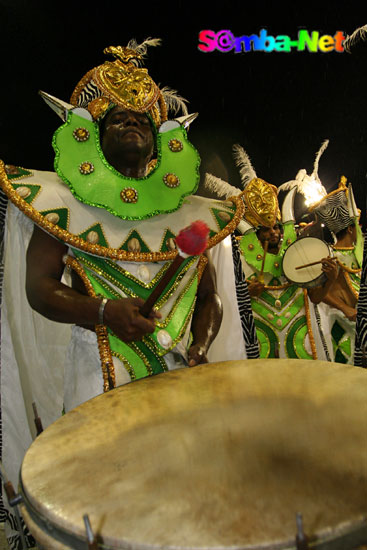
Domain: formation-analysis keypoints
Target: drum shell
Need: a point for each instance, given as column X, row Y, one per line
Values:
column 204, row 403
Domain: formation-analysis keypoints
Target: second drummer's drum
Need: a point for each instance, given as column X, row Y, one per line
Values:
column 302, row 252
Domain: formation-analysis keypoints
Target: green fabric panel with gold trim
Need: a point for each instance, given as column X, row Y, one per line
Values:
column 83, row 167
column 58, row 216
column 30, row 191
column 128, row 242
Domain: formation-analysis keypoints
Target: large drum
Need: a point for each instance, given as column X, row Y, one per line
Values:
column 219, row 456
column 302, row 253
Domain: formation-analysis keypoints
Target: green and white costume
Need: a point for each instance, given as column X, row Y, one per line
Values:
column 286, row 321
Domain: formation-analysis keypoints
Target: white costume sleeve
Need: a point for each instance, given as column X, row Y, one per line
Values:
column 229, row 344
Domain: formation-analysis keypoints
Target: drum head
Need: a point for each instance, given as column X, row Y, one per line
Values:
column 221, row 455
column 302, row 252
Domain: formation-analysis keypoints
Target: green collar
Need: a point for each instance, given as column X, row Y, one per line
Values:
column 253, row 251
column 80, row 163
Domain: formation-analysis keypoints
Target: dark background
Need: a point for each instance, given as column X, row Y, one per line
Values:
column 279, row 106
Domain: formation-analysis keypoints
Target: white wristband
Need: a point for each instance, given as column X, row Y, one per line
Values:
column 102, row 305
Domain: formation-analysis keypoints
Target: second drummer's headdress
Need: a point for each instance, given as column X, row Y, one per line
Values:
column 337, row 210
column 260, row 197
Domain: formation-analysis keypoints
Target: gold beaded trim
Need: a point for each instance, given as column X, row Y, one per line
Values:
column 278, row 287
column 126, row 364
column 98, row 250
column 309, row 327
column 143, row 357
column 201, row 266
column 348, row 269
column 164, row 323
column 108, row 369
column 152, row 348
column 351, row 287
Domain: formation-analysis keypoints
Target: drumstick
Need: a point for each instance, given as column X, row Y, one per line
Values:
column 313, row 263
column 261, row 275
column 191, row 241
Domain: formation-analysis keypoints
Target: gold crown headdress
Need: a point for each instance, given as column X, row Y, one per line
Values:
column 125, row 83
column 260, row 197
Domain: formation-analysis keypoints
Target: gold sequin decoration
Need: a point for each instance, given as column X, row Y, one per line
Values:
column 103, row 251
column 81, row 134
column 171, row 180
column 108, row 370
column 86, row 168
column 129, row 194
column 250, row 246
column 175, row 145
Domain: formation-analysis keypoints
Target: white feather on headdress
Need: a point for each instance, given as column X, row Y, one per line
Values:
column 243, row 162
column 220, row 187
column 174, row 101
column 142, row 48
column 359, row 35
column 317, row 158
column 288, row 185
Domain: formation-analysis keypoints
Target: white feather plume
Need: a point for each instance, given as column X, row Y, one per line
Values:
column 174, row 101
column 359, row 35
column 142, row 48
column 220, row 187
column 243, row 162
column 317, row 158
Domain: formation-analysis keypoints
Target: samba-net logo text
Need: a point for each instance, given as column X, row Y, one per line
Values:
column 225, row 41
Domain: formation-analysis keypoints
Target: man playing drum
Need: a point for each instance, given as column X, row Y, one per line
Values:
column 123, row 190
column 338, row 212
column 287, row 323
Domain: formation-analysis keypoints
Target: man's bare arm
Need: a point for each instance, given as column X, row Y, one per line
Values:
column 58, row 302
column 207, row 316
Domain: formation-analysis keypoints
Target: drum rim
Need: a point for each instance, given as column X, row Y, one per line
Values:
column 311, row 283
column 353, row 532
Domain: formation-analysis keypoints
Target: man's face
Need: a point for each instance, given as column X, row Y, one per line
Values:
column 126, row 132
column 270, row 234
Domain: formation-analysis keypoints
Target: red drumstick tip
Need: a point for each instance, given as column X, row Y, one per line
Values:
column 193, row 240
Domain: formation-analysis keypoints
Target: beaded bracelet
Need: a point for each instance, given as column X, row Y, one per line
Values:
column 102, row 305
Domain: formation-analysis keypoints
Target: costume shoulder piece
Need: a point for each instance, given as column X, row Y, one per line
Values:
column 47, row 200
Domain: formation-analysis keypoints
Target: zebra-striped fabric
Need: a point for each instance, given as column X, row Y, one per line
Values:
column 333, row 212
column 360, row 351
column 3, row 206
column 244, row 304
column 89, row 92
column 321, row 333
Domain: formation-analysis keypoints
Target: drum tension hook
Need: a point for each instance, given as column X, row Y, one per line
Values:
column 14, row 499
column 301, row 538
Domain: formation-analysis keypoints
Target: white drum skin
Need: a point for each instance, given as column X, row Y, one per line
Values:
column 222, row 455
column 302, row 252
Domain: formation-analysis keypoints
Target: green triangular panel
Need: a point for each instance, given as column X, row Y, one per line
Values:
column 135, row 234
column 346, row 346
column 63, row 214
column 98, row 229
column 168, row 235
column 337, row 332
column 339, row 357
column 34, row 189
column 16, row 172
column 222, row 222
column 212, row 234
